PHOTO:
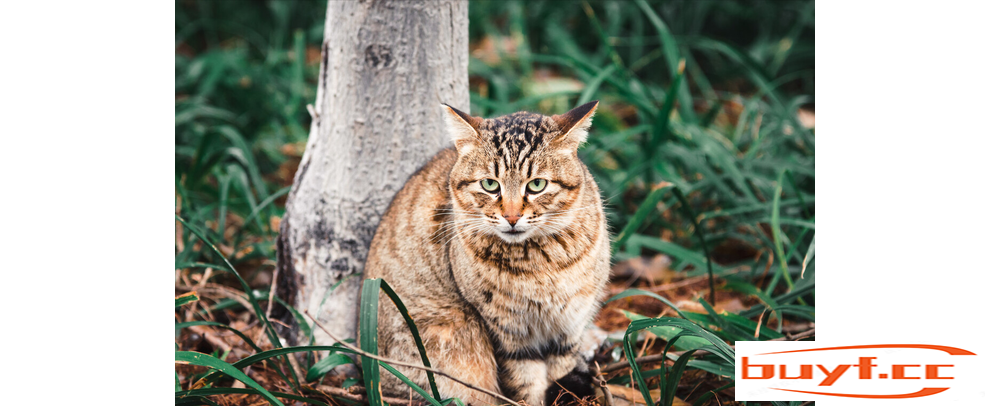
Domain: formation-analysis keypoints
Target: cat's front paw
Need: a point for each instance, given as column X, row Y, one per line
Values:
column 567, row 390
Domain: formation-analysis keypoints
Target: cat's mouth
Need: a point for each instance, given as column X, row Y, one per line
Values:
column 513, row 235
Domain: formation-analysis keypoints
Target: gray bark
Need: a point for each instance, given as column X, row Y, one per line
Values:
column 387, row 66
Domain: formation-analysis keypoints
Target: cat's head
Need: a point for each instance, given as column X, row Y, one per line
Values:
column 518, row 176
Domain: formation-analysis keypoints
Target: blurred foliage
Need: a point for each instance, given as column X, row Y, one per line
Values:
column 246, row 70
column 703, row 144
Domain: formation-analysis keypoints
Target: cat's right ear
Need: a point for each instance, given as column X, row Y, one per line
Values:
column 463, row 128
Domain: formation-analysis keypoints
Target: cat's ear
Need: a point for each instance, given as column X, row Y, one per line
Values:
column 462, row 127
column 574, row 124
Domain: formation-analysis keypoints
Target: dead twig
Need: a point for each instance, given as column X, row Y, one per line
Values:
column 271, row 294
column 660, row 357
column 795, row 337
column 406, row 364
column 600, row 380
column 759, row 323
column 271, row 301
column 344, row 393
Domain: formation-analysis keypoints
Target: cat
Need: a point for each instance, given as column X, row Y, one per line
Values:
column 500, row 251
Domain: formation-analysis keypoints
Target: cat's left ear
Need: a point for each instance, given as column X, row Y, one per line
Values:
column 574, row 124
column 462, row 127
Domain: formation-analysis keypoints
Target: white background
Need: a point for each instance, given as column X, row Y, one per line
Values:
column 87, row 133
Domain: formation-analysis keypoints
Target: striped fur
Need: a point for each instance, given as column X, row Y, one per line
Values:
column 501, row 304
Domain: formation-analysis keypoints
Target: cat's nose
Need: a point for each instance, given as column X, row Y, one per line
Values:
column 511, row 218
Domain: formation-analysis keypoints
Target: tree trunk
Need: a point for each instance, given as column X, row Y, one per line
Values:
column 387, row 66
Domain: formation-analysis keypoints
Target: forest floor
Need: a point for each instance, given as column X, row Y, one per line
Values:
column 646, row 273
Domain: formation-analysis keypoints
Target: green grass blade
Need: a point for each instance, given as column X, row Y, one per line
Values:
column 727, row 371
column 670, row 52
column 258, row 311
column 741, row 210
column 648, row 207
column 661, row 126
column 625, row 379
column 594, row 84
column 731, row 326
column 326, row 364
column 195, row 400
column 411, row 384
column 179, row 326
column 750, row 326
column 368, row 325
column 186, row 298
column 638, row 241
column 749, row 289
column 269, row 329
column 672, row 56
column 238, row 391
column 777, row 234
column 782, row 299
column 808, row 256
column 636, row 292
column 264, row 355
column 264, row 204
column 602, row 35
column 686, row 207
column 720, row 349
column 667, row 333
column 722, row 324
column 703, row 399
column 627, row 346
column 300, row 320
column 369, row 334
column 669, row 383
column 195, row 358
column 184, row 265
column 415, row 333
column 456, row 401
column 225, row 181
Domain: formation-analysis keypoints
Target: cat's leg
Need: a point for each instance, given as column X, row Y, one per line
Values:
column 461, row 348
column 455, row 343
column 540, row 376
column 570, row 379
column 524, row 380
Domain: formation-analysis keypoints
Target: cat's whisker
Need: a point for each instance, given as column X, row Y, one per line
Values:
column 468, row 216
column 454, row 211
column 464, row 225
column 457, row 233
column 556, row 227
column 590, row 206
column 458, row 224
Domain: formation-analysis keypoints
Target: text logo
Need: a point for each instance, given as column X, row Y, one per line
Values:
column 803, row 371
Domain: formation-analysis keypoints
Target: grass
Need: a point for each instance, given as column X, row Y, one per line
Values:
column 698, row 147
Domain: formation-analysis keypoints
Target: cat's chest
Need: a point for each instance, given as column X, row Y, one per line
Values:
column 531, row 304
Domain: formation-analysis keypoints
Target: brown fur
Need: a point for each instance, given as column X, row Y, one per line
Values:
column 501, row 303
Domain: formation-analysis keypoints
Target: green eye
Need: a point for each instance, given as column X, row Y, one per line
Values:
column 536, row 185
column 490, row 185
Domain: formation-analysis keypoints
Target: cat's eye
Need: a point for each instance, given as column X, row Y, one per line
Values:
column 536, row 185
column 490, row 185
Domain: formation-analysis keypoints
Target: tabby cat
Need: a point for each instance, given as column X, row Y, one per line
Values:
column 500, row 251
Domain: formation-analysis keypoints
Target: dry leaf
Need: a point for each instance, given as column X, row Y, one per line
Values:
column 631, row 396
